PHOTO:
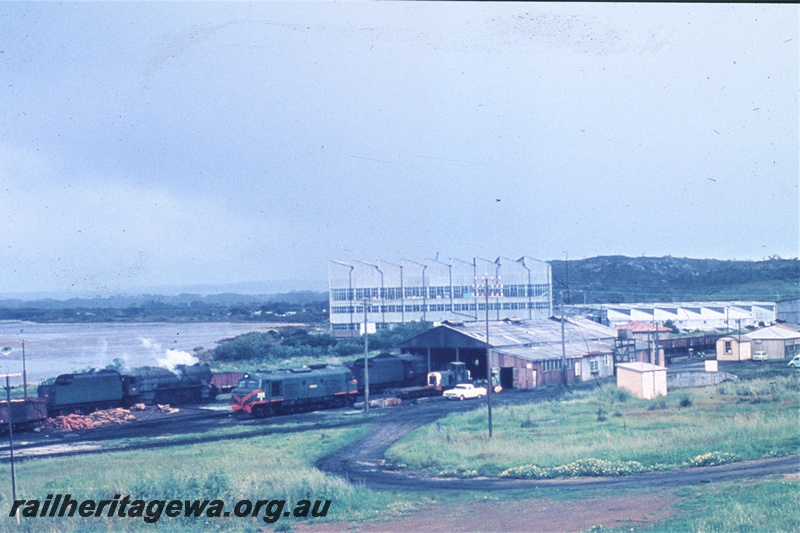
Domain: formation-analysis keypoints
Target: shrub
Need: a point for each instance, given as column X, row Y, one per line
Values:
column 598, row 468
column 686, row 400
column 580, row 468
column 658, row 404
column 527, row 472
column 621, row 395
column 458, row 472
column 713, row 459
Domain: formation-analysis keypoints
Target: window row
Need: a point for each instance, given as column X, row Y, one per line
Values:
column 434, row 308
column 440, row 292
column 551, row 365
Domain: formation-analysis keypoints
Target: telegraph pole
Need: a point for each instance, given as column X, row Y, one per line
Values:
column 489, row 384
column 24, row 374
column 563, row 343
column 366, row 362
column 11, row 437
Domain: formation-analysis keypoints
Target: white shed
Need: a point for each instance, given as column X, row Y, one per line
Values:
column 643, row 380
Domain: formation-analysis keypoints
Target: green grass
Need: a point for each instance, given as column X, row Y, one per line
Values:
column 772, row 506
column 749, row 420
column 265, row 467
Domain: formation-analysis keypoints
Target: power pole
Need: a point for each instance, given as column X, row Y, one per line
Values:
column 11, row 438
column 563, row 343
column 656, row 351
column 489, row 384
column 24, row 375
column 366, row 362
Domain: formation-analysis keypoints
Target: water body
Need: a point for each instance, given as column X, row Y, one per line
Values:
column 52, row 349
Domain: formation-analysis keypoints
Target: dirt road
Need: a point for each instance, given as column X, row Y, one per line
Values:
column 364, row 462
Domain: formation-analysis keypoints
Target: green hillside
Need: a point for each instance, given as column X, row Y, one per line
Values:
column 616, row 279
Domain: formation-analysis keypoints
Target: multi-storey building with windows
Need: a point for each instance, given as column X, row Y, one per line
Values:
column 436, row 291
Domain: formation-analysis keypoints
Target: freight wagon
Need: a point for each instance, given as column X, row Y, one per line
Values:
column 225, row 381
column 267, row 393
column 24, row 413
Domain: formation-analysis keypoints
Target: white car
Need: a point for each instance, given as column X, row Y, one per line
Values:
column 464, row 391
column 795, row 362
column 760, row 356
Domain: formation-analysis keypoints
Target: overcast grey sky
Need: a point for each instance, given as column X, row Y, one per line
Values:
column 182, row 143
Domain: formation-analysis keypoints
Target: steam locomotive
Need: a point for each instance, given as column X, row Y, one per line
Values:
column 101, row 389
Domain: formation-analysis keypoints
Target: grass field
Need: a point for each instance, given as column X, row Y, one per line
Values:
column 772, row 506
column 266, row 467
column 607, row 428
column 739, row 421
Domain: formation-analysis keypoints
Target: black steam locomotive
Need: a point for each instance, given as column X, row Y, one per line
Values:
column 101, row 389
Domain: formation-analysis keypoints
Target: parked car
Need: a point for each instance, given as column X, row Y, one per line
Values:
column 760, row 356
column 795, row 362
column 464, row 391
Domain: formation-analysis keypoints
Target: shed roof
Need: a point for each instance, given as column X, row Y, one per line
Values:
column 509, row 334
column 776, row 332
column 642, row 326
column 640, row 367
column 573, row 350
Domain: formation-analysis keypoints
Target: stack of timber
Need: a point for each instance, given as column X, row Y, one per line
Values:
column 74, row 421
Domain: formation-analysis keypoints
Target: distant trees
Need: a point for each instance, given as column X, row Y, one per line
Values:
column 616, row 279
column 272, row 346
column 182, row 308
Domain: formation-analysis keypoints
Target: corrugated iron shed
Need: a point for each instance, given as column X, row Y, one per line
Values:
column 641, row 326
column 511, row 334
column 776, row 332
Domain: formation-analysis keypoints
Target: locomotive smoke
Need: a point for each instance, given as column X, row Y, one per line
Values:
column 171, row 358
column 177, row 357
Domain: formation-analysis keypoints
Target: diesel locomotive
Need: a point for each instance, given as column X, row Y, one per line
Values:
column 266, row 393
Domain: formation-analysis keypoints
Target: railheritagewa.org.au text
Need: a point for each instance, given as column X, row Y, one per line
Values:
column 151, row 511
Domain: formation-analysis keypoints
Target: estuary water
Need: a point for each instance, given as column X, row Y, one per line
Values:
column 52, row 349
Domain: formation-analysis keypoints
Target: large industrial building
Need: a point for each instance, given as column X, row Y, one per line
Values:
column 528, row 353
column 691, row 316
column 436, row 291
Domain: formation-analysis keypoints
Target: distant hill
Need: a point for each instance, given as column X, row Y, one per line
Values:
column 616, row 279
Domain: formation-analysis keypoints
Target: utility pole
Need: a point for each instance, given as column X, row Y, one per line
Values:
column 489, row 384
column 656, row 351
column 563, row 343
column 11, row 438
column 366, row 362
column 24, row 374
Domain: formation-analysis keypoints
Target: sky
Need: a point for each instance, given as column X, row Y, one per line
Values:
column 173, row 144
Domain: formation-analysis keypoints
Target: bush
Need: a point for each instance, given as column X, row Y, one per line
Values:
column 621, row 395
column 713, row 459
column 686, row 401
column 581, row 468
column 659, row 404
